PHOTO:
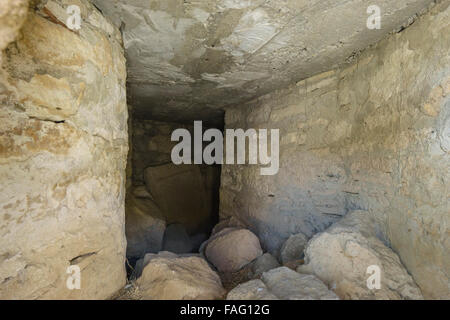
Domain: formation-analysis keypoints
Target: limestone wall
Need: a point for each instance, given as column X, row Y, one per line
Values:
column 63, row 149
column 375, row 136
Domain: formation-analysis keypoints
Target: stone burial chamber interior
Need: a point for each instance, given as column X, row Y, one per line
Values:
column 93, row 207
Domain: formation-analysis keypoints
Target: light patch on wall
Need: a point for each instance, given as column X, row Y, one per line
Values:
column 233, row 79
column 254, row 30
column 154, row 71
column 165, row 36
column 200, row 15
column 46, row 97
column 157, row 39
column 238, row 4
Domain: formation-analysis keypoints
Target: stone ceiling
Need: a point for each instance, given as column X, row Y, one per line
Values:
column 188, row 59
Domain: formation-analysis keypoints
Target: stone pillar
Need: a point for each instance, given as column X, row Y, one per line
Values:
column 63, row 151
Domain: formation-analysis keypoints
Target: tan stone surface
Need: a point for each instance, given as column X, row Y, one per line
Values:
column 342, row 254
column 251, row 290
column 174, row 278
column 12, row 16
column 231, row 249
column 63, row 146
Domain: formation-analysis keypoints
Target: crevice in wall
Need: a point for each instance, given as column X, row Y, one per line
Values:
column 76, row 260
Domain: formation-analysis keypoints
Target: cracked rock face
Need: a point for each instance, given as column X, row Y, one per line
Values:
column 63, row 147
column 189, row 59
column 343, row 257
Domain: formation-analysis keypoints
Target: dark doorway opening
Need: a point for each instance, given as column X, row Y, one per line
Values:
column 168, row 207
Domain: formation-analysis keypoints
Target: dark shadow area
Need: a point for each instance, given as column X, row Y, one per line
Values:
column 168, row 207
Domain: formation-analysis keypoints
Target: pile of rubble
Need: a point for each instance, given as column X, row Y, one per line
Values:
column 332, row 265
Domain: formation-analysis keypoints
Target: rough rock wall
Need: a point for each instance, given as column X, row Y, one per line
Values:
column 63, row 148
column 12, row 16
column 374, row 136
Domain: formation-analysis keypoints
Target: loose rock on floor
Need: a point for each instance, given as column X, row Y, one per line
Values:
column 342, row 254
column 283, row 283
column 179, row 278
column 231, row 249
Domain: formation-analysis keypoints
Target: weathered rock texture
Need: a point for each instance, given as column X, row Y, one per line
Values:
column 251, row 290
column 179, row 278
column 144, row 261
column 342, row 254
column 374, row 136
column 190, row 58
column 293, row 248
column 283, row 283
column 63, row 147
column 231, row 249
column 13, row 14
